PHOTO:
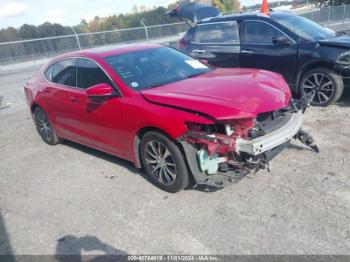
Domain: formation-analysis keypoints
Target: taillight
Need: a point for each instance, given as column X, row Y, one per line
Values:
column 182, row 43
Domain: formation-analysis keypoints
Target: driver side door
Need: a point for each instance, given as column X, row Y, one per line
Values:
column 98, row 123
column 259, row 49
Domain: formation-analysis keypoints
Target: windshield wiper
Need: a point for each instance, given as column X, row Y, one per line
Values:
column 151, row 86
column 195, row 75
column 340, row 33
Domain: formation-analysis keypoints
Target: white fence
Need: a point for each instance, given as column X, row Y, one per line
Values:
column 34, row 49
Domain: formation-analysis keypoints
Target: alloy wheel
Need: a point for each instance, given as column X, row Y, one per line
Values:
column 43, row 125
column 320, row 87
column 160, row 162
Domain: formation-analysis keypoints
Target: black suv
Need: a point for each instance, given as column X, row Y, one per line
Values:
column 314, row 60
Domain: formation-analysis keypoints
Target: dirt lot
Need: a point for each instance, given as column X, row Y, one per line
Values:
column 61, row 199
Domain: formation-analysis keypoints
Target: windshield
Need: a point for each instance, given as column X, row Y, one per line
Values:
column 154, row 67
column 305, row 28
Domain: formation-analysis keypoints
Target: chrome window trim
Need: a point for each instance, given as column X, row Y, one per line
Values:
column 224, row 22
column 261, row 21
column 115, row 86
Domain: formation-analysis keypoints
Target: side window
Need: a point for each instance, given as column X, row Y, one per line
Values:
column 90, row 74
column 48, row 73
column 260, row 33
column 64, row 72
column 217, row 33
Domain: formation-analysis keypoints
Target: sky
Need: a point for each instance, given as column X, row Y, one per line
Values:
column 70, row 12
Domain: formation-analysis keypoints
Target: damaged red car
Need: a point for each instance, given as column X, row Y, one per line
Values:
column 183, row 121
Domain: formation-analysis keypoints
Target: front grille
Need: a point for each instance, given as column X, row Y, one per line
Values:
column 269, row 121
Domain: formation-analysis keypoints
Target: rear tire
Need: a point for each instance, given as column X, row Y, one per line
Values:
column 163, row 162
column 44, row 127
column 325, row 85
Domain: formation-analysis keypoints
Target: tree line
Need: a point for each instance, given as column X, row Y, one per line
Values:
column 149, row 17
column 154, row 16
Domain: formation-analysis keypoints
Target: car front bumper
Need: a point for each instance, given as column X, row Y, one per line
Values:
column 274, row 139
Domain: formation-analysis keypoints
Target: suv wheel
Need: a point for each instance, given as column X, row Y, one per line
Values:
column 324, row 85
column 44, row 127
column 163, row 162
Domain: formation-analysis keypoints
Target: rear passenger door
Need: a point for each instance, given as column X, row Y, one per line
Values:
column 217, row 42
column 61, row 77
column 259, row 49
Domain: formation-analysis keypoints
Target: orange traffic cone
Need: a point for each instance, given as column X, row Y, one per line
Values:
column 264, row 7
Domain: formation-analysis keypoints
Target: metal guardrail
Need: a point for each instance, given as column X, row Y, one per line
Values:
column 35, row 49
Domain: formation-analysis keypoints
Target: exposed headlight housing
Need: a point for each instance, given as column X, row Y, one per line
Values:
column 229, row 129
column 236, row 127
column 199, row 127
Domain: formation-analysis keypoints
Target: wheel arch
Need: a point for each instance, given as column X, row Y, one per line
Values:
column 312, row 65
column 137, row 141
column 33, row 107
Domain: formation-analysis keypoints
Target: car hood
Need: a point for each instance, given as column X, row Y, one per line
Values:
column 225, row 93
column 338, row 41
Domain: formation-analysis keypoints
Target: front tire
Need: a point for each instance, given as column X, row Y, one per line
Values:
column 163, row 162
column 44, row 127
column 324, row 85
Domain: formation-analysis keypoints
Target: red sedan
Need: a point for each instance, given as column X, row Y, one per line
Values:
column 178, row 118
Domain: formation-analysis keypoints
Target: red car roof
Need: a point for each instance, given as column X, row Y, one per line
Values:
column 110, row 50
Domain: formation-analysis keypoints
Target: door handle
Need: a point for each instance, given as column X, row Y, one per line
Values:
column 247, row 52
column 199, row 51
column 74, row 99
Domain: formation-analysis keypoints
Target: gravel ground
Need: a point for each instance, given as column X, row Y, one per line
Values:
column 68, row 199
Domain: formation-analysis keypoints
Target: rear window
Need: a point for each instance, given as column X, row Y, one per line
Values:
column 217, row 33
column 64, row 73
column 48, row 73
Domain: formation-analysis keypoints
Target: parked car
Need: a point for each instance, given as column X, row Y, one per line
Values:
column 312, row 58
column 167, row 112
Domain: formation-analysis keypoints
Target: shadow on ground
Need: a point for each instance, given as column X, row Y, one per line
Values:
column 72, row 248
column 1, row 99
column 126, row 164
column 5, row 245
column 344, row 101
column 107, row 157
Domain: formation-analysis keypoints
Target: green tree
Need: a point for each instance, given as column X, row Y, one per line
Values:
column 155, row 16
column 9, row 34
column 27, row 32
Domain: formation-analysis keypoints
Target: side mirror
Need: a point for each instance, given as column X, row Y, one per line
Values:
column 100, row 92
column 281, row 40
